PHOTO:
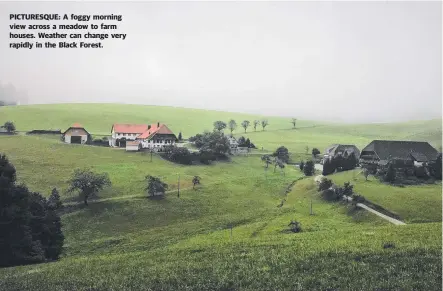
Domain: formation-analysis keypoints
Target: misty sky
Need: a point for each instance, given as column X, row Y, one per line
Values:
column 343, row 61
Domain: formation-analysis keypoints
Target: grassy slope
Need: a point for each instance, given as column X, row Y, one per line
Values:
column 98, row 119
column 421, row 203
column 184, row 243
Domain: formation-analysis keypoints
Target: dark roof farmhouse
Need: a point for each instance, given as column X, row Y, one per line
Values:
column 341, row 150
column 408, row 152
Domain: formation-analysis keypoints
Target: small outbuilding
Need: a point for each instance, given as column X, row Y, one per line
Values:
column 133, row 146
column 76, row 134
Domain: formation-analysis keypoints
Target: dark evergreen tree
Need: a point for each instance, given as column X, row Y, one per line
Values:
column 54, row 200
column 309, row 168
column 180, row 136
column 282, row 154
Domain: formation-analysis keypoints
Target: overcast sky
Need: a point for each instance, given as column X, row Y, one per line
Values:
column 348, row 61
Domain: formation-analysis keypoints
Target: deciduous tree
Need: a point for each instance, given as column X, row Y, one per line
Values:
column 155, row 186
column 264, row 123
column 219, row 125
column 88, row 183
column 232, row 125
column 245, row 124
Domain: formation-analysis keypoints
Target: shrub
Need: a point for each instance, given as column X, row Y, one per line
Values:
column 179, row 155
column 348, row 189
column 295, row 226
column 324, row 184
column 358, row 198
column 330, row 194
column 309, row 168
column 302, row 165
column 388, row 245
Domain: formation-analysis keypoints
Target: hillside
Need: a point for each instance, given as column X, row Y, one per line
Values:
column 98, row 119
column 124, row 241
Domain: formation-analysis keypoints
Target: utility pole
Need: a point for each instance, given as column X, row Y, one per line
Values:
column 178, row 188
column 151, row 155
column 311, row 208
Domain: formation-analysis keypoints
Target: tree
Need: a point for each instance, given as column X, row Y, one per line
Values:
column 366, row 173
column 9, row 126
column 325, row 184
column 179, row 155
column 315, row 152
column 180, row 138
column 328, row 167
column 232, row 125
column 245, row 124
column 282, row 154
column 267, row 160
column 88, row 183
column 256, row 123
column 301, row 165
column 307, row 149
column 390, row 173
column 219, row 125
column 54, row 200
column 155, row 186
column 195, row 181
column 264, row 123
column 295, row 226
column 293, row 121
column 436, row 168
column 309, row 168
column 278, row 163
column 30, row 231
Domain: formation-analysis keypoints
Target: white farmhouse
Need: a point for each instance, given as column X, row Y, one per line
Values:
column 153, row 136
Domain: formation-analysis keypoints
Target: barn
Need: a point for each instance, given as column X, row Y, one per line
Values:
column 76, row 134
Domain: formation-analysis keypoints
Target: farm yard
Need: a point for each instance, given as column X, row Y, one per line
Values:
column 235, row 230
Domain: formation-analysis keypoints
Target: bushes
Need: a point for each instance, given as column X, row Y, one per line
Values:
column 309, row 168
column 302, row 165
column 295, row 226
column 390, row 174
column 179, row 155
column 30, row 228
column 324, row 184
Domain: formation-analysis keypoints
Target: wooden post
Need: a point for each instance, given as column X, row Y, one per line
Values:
column 178, row 188
column 231, row 230
column 311, row 207
column 151, row 155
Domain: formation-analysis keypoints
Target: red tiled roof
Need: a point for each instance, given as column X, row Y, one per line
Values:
column 163, row 129
column 130, row 128
column 77, row 125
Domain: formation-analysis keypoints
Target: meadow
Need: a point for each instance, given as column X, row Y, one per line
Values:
column 229, row 233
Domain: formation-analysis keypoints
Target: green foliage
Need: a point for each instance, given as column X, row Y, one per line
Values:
column 30, row 230
column 264, row 123
column 155, row 186
column 215, row 143
column 390, row 174
column 180, row 137
column 282, row 154
column 256, row 123
column 195, row 181
column 315, row 152
column 295, row 226
column 54, row 200
column 245, row 124
column 232, row 125
column 324, row 184
column 328, row 166
column 293, row 121
column 88, row 183
column 278, row 163
column 436, row 168
column 267, row 160
column 9, row 126
column 219, row 125
column 301, row 165
column 308, row 168
column 179, row 155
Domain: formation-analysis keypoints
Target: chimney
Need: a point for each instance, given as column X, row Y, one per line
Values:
column 149, row 126
column 158, row 124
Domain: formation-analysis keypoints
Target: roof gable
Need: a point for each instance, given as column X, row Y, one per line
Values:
column 154, row 130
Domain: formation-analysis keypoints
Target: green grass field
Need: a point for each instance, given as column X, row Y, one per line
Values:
column 124, row 241
column 420, row 203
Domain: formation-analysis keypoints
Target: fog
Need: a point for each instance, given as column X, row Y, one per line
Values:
column 342, row 61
